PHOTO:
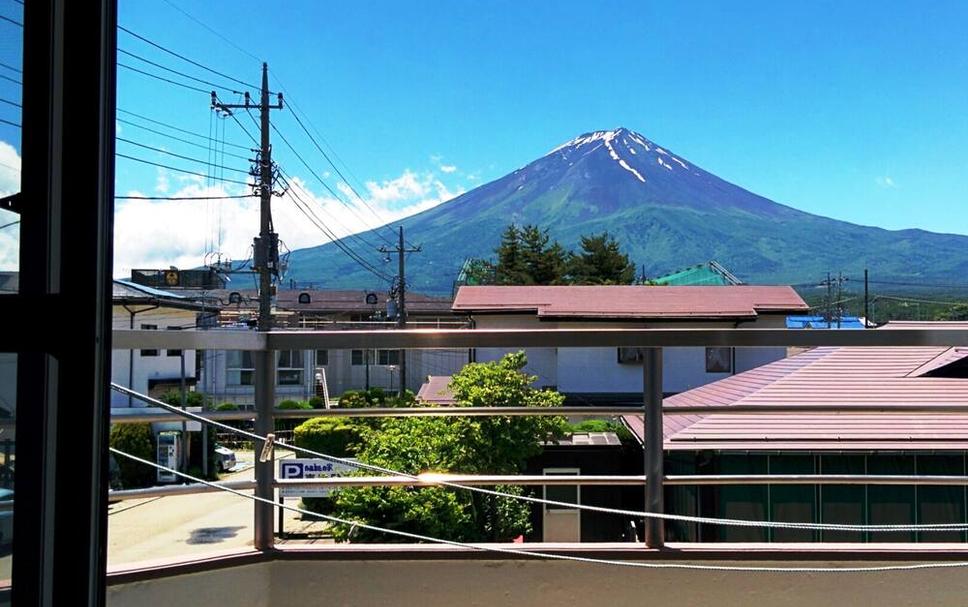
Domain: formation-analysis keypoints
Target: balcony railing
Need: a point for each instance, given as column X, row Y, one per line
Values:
column 652, row 340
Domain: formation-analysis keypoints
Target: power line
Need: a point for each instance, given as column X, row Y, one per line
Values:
column 185, row 141
column 163, row 79
column 320, row 180
column 14, row 80
column 311, row 215
column 7, row 225
column 177, row 170
column 185, row 197
column 350, row 233
column 180, row 130
column 224, row 38
column 184, row 58
column 174, row 71
column 237, row 121
column 14, row 21
column 5, row 121
column 198, row 160
column 10, row 67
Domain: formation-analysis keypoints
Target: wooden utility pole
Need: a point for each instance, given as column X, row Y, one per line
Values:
column 265, row 256
column 401, row 250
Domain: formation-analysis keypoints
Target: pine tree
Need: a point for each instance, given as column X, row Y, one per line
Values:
column 601, row 262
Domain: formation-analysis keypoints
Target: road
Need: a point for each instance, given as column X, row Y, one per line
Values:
column 188, row 525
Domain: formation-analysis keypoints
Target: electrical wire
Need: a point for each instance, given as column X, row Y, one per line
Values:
column 181, row 130
column 163, row 79
column 325, row 185
column 186, row 197
column 239, row 122
column 177, row 138
column 14, row 21
column 186, row 59
column 14, row 80
column 174, row 71
column 224, row 38
column 177, row 170
column 10, row 67
column 163, row 151
column 634, row 513
column 13, row 103
column 545, row 555
column 7, row 225
column 10, row 122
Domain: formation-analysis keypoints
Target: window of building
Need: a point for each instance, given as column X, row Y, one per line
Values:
column 356, row 358
column 719, row 360
column 239, row 368
column 630, row 356
column 289, row 368
column 174, row 352
column 388, row 357
column 322, row 358
column 150, row 352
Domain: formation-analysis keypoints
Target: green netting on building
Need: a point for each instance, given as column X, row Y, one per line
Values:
column 709, row 274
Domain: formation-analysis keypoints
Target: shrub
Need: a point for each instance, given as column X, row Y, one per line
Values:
column 317, row 402
column 332, row 437
column 294, row 404
column 353, row 399
column 601, row 425
column 376, row 396
column 192, row 398
column 137, row 440
column 227, row 407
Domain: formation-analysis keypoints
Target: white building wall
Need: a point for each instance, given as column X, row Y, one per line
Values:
column 146, row 368
column 597, row 370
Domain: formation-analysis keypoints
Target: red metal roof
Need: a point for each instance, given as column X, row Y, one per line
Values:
column 838, row 376
column 631, row 301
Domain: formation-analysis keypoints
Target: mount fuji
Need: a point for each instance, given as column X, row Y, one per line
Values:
column 666, row 213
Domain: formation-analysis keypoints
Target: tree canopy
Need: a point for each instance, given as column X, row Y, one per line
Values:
column 492, row 445
column 528, row 256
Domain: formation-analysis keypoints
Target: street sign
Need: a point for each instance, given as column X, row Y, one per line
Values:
column 305, row 468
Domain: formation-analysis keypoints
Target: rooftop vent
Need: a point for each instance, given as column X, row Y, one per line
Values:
column 304, row 298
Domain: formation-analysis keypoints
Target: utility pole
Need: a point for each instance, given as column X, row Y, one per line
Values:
column 867, row 304
column 401, row 250
column 265, row 256
column 828, row 300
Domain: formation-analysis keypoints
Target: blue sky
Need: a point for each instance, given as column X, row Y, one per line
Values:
column 851, row 110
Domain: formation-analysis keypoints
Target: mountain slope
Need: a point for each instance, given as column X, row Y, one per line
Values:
column 666, row 213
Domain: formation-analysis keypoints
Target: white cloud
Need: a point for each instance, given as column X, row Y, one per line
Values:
column 9, row 184
column 886, row 181
column 158, row 234
column 448, row 168
column 161, row 182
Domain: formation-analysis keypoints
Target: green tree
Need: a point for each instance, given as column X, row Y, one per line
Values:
column 955, row 312
column 544, row 261
column 600, row 262
column 479, row 272
column 510, row 268
column 494, row 445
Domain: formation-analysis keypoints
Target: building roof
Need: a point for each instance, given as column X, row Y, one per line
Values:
column 819, row 322
column 708, row 274
column 125, row 292
column 332, row 301
column 436, row 390
column 631, row 301
column 884, row 377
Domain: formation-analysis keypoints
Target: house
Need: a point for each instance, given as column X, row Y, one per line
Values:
column 879, row 443
column 822, row 322
column 151, row 371
column 615, row 374
column 228, row 376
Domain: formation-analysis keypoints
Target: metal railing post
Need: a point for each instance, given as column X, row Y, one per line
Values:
column 264, row 474
column 654, row 459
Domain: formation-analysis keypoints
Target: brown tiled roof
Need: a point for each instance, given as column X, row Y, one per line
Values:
column 628, row 301
column 830, row 376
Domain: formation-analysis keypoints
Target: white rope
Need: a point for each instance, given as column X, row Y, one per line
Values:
column 548, row 555
column 730, row 522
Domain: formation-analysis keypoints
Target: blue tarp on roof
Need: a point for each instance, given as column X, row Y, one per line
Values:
column 819, row 322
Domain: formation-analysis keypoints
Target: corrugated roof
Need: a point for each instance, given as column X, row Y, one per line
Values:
column 126, row 288
column 830, row 376
column 819, row 322
column 703, row 274
column 631, row 301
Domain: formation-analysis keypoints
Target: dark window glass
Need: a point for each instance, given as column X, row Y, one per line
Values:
column 719, row 360
column 149, row 352
column 845, row 504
